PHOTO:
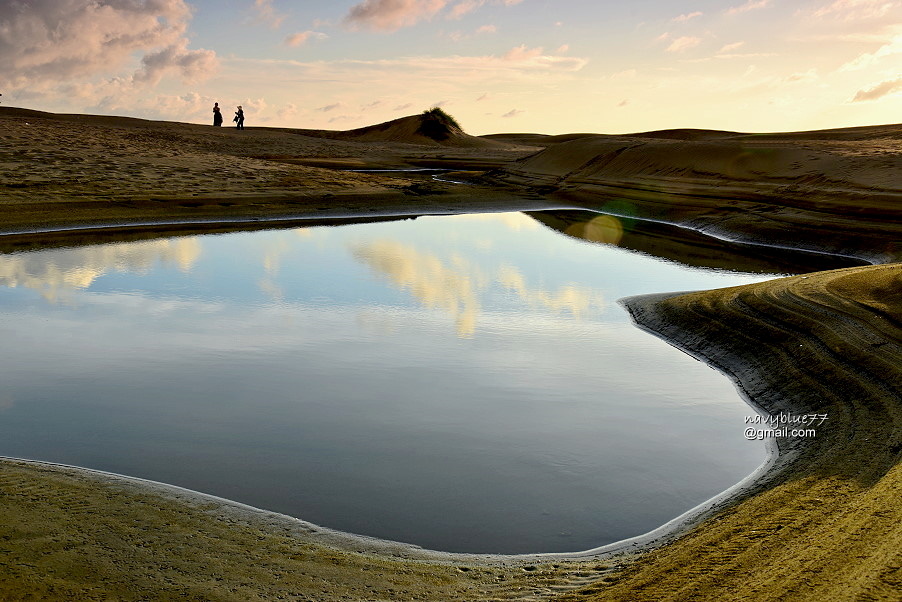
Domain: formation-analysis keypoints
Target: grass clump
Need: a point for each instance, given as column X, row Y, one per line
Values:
column 438, row 125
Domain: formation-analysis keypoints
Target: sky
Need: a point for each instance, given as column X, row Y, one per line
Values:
column 545, row 66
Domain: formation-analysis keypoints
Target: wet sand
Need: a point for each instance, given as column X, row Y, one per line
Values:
column 824, row 522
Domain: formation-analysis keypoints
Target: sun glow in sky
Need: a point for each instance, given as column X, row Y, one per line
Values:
column 549, row 66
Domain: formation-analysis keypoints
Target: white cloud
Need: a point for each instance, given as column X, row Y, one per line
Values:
column 749, row 5
column 730, row 47
column 487, row 29
column 683, row 43
column 856, row 10
column 879, row 91
column 687, row 17
column 866, row 60
column 301, row 38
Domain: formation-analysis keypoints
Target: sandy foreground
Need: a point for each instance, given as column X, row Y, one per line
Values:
column 825, row 520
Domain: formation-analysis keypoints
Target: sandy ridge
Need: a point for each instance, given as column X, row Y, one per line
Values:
column 826, row 522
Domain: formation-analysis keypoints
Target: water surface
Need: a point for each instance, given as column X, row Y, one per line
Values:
column 463, row 383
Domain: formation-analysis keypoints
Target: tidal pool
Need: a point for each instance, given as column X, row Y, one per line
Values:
column 463, row 383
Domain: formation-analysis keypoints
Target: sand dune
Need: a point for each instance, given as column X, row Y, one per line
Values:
column 67, row 170
column 411, row 130
column 835, row 191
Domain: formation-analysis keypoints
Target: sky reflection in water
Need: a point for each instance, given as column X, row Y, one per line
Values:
column 464, row 383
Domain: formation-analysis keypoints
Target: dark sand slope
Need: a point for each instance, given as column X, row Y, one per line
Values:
column 827, row 522
column 834, row 190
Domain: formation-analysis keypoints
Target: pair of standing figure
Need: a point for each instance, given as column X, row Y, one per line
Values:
column 238, row 119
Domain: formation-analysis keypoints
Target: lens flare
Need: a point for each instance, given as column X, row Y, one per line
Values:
column 604, row 228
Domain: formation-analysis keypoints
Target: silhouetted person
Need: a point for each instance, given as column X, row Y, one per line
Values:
column 217, row 115
column 239, row 118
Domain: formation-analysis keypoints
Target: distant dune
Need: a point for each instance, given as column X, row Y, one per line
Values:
column 834, row 190
column 424, row 129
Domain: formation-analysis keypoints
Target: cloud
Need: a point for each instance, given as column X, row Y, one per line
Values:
column 391, row 15
column 683, row 43
column 856, row 10
column 487, row 29
column 879, row 91
column 47, row 39
column 687, row 17
column 522, row 53
column 513, row 113
column 463, row 7
column 749, row 5
column 866, row 60
column 56, row 273
column 287, row 112
column 191, row 65
column 804, row 76
column 268, row 14
column 563, row 49
column 327, row 108
column 730, row 47
column 484, row 96
column 403, row 107
column 301, row 38
column 452, row 286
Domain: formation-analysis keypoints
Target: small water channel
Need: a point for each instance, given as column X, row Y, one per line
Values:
column 463, row 383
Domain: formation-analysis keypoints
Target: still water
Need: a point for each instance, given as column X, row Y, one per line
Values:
column 463, row 383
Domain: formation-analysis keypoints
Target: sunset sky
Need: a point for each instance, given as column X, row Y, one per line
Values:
column 496, row 65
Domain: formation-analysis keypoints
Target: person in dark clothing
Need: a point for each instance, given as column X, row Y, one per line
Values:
column 239, row 118
column 217, row 115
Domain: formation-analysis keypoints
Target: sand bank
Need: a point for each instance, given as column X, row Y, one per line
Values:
column 826, row 521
